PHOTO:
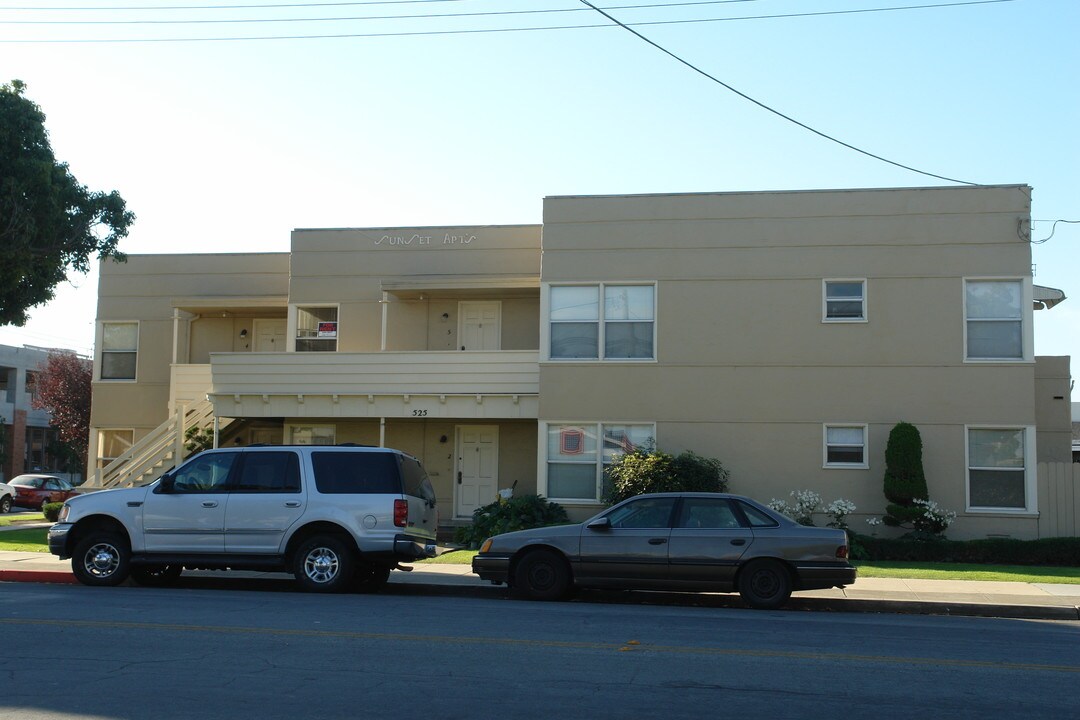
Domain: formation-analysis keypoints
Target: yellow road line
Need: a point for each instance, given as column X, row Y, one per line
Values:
column 520, row 642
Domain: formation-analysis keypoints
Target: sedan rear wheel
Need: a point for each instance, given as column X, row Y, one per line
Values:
column 542, row 575
column 765, row 584
column 5, row 504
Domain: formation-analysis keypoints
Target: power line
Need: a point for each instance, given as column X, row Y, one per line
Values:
column 364, row 17
column 1053, row 228
column 770, row 109
column 232, row 7
column 498, row 30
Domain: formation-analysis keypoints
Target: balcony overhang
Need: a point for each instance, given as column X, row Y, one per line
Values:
column 1047, row 297
column 233, row 305
column 435, row 286
column 446, row 384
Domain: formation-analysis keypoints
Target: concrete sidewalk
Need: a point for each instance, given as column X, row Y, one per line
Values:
column 934, row 597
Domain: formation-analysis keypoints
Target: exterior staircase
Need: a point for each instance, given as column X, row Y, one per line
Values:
column 160, row 449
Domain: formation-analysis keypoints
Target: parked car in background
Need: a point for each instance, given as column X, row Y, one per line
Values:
column 7, row 497
column 34, row 490
column 706, row 542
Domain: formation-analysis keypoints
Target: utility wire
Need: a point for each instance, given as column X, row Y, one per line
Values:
column 772, row 110
column 1052, row 229
column 232, row 7
column 500, row 30
column 364, row 17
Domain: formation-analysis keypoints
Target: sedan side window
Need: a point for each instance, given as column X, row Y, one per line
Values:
column 756, row 517
column 51, row 484
column 707, row 513
column 204, row 474
column 650, row 513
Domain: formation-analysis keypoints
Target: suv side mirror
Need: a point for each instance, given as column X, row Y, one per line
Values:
column 165, row 483
column 603, row 523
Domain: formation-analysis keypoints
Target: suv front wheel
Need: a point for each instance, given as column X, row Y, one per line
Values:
column 323, row 563
column 101, row 559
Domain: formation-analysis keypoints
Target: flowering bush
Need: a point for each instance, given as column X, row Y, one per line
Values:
column 838, row 510
column 933, row 519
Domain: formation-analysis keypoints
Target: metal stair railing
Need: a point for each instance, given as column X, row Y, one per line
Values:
column 163, row 443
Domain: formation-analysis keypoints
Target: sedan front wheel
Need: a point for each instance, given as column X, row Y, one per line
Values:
column 542, row 575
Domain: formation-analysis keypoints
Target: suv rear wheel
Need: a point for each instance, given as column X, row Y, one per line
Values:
column 323, row 563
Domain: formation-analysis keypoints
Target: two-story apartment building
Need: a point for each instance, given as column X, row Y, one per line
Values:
column 782, row 332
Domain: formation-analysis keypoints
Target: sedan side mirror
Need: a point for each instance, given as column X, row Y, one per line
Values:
column 603, row 523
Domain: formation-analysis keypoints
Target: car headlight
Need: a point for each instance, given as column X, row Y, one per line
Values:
column 64, row 513
column 487, row 545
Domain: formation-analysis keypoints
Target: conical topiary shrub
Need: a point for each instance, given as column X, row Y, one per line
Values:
column 905, row 481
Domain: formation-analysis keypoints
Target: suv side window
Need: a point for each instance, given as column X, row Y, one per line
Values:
column 417, row 482
column 204, row 474
column 338, row 473
column 269, row 472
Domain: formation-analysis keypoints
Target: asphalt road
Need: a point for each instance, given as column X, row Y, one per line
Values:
column 209, row 652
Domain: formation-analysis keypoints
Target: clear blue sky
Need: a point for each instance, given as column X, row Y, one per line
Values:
column 227, row 146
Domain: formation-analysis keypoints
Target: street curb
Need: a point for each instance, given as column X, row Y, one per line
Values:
column 41, row 576
column 796, row 604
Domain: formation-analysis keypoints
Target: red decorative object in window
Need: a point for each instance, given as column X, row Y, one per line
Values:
column 571, row 441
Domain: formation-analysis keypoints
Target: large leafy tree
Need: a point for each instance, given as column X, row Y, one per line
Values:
column 49, row 222
column 64, row 389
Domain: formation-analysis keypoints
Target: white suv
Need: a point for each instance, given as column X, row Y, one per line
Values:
column 333, row 516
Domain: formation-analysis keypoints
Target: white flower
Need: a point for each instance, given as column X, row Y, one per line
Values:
column 875, row 521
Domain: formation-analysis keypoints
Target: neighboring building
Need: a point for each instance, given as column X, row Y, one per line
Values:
column 27, row 442
column 782, row 332
column 1076, row 432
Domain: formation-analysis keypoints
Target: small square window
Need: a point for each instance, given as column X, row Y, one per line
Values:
column 844, row 301
column 845, row 446
column 316, row 329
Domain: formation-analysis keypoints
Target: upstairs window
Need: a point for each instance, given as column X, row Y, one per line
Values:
column 602, row 322
column 316, row 329
column 994, row 317
column 845, row 301
column 119, row 350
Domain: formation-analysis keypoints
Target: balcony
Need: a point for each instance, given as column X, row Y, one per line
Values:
column 447, row 384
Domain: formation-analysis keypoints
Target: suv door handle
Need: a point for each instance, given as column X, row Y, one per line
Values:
column 738, row 541
column 209, row 503
column 657, row 541
column 292, row 503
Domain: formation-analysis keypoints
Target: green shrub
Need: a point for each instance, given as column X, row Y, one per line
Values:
column 1062, row 551
column 52, row 511
column 649, row 471
column 517, row 513
column 905, row 481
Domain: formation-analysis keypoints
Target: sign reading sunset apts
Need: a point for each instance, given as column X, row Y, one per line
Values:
column 418, row 240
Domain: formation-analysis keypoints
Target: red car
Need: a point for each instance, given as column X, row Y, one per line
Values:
column 33, row 491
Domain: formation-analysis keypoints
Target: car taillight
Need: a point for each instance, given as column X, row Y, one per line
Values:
column 841, row 552
column 401, row 512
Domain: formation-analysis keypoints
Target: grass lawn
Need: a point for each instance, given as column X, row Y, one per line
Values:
column 454, row 557
column 959, row 571
column 20, row 517
column 27, row 540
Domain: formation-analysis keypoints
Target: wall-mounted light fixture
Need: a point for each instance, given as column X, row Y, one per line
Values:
column 442, row 438
column 243, row 333
column 446, row 316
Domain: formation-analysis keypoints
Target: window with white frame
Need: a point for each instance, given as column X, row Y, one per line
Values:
column 602, row 322
column 994, row 316
column 578, row 454
column 845, row 446
column 316, row 329
column 119, row 350
column 844, row 301
column 112, row 444
column 997, row 468
column 311, row 434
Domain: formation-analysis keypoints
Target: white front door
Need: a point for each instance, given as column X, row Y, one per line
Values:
column 477, row 468
column 480, row 325
column 270, row 335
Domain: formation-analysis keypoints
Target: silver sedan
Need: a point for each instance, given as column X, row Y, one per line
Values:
column 696, row 542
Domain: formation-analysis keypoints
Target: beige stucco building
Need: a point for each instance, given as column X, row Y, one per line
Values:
column 783, row 332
